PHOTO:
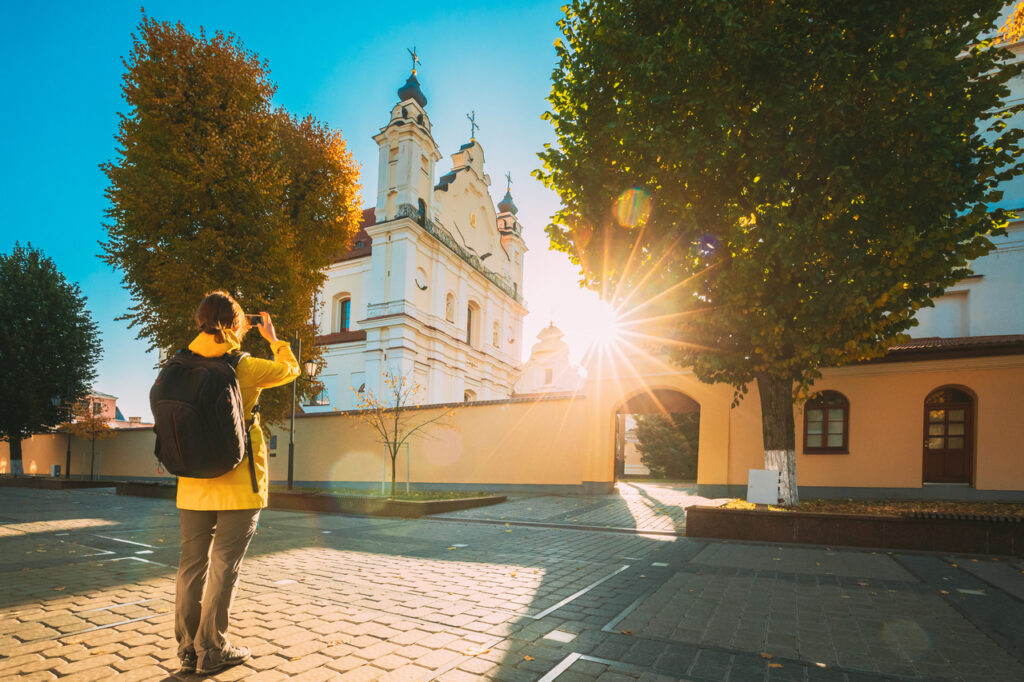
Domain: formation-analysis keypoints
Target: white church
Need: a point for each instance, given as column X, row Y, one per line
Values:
column 431, row 287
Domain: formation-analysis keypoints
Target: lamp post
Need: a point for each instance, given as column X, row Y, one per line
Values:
column 67, row 403
column 311, row 368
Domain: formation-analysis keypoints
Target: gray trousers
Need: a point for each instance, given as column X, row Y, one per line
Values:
column 212, row 546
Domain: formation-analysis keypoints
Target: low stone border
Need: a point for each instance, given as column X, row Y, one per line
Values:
column 48, row 483
column 934, row 533
column 333, row 504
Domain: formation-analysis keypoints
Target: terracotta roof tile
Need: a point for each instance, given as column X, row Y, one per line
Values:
column 360, row 237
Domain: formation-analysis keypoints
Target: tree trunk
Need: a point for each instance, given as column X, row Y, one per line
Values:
column 394, row 466
column 92, row 459
column 779, row 434
column 15, row 449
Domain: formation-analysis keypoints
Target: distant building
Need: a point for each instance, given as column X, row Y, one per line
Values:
column 431, row 287
column 106, row 405
column 549, row 370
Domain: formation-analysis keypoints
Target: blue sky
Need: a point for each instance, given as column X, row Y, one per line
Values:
column 342, row 62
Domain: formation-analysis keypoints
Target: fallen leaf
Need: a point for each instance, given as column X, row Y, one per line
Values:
column 774, row 665
column 627, row 632
column 529, row 658
column 943, row 591
column 58, row 589
column 160, row 540
column 451, row 548
column 766, row 655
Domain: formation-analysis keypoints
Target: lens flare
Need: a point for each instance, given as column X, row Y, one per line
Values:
column 605, row 325
column 633, row 207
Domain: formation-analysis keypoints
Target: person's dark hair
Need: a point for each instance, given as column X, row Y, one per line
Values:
column 217, row 312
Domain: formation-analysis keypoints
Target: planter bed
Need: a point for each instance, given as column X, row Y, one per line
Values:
column 333, row 504
column 928, row 532
column 49, row 483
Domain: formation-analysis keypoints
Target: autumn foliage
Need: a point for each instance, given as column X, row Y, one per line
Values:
column 215, row 188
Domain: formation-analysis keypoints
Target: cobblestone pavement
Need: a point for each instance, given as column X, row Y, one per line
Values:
column 644, row 506
column 86, row 590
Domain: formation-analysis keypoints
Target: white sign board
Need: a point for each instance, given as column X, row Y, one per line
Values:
column 763, row 486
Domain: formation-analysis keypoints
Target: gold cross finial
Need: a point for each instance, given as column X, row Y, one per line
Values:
column 415, row 58
column 473, row 127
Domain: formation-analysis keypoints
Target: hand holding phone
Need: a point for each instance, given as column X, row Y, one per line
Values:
column 265, row 325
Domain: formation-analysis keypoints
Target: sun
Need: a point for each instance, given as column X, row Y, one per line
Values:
column 605, row 328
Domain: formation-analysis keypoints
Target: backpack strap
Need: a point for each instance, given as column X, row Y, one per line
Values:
column 233, row 359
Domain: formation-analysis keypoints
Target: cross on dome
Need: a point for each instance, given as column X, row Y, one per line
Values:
column 508, row 177
column 473, row 127
column 415, row 58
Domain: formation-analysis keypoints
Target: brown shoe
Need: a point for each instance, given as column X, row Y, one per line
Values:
column 233, row 655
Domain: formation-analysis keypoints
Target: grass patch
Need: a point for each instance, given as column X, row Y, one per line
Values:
column 890, row 507
column 412, row 495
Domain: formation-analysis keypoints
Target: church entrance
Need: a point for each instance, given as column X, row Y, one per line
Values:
column 657, row 437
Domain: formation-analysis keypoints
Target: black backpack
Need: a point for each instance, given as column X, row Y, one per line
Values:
column 198, row 416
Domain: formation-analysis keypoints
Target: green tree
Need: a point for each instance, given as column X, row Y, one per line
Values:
column 770, row 188
column 49, row 346
column 668, row 444
column 213, row 188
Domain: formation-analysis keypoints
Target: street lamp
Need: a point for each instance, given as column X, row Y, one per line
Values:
column 56, row 401
column 311, row 369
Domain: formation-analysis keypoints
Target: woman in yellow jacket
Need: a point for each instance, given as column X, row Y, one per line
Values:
column 222, row 512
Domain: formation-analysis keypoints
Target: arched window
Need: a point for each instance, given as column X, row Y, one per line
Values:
column 468, row 396
column 472, row 323
column 421, row 212
column 343, row 314
column 826, row 424
column 449, row 307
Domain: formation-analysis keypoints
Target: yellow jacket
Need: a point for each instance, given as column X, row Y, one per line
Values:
column 233, row 490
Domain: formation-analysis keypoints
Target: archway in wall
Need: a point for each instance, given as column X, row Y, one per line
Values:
column 657, row 436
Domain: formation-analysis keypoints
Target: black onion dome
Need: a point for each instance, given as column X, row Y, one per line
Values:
column 411, row 90
column 506, row 205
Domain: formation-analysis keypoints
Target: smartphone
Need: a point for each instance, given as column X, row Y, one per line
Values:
column 254, row 320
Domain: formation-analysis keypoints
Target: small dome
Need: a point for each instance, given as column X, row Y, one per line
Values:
column 506, row 205
column 411, row 90
column 550, row 343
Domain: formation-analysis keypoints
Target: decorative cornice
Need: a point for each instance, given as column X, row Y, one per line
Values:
column 445, row 237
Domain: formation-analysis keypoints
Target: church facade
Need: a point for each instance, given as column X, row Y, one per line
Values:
column 431, row 287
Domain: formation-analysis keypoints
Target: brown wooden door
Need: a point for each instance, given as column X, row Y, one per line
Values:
column 948, row 436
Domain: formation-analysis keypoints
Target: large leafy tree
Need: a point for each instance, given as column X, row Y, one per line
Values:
column 668, row 444
column 49, row 346
column 775, row 187
column 214, row 188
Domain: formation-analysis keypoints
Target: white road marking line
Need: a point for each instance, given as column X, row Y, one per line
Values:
column 138, row 558
column 576, row 595
column 562, row 666
column 115, row 606
column 610, row 627
column 129, row 542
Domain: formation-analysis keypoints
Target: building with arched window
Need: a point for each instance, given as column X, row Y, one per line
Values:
column 434, row 266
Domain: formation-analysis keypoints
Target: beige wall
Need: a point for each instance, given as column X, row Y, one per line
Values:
column 886, row 425
column 129, row 453
column 568, row 442
column 533, row 443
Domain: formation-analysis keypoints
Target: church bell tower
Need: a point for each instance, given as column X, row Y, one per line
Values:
column 408, row 153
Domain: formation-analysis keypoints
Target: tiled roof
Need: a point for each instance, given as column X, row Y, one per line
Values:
column 360, row 237
column 936, row 347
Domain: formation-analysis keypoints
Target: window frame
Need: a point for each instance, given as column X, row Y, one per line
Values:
column 344, row 316
column 831, row 400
